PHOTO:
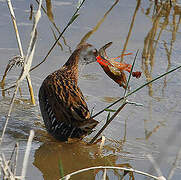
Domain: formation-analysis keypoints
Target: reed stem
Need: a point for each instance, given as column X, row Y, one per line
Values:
column 74, row 16
column 137, row 89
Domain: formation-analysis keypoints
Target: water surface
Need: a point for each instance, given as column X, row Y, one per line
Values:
column 136, row 132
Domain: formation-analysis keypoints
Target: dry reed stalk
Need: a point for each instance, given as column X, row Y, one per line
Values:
column 27, row 153
column 16, row 157
column 155, row 165
column 175, row 164
column 67, row 177
column 112, row 167
column 15, row 27
column 24, row 73
column 108, row 122
column 5, row 165
column 6, row 169
column 8, row 116
column 103, row 139
column 72, row 19
column 130, row 28
column 104, row 174
column 26, row 66
column 102, row 143
column 20, row 50
column 55, row 26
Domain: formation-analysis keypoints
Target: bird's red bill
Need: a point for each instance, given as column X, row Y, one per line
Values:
column 102, row 61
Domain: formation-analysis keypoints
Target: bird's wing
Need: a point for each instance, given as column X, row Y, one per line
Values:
column 66, row 100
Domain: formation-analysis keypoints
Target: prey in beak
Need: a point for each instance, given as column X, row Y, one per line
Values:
column 115, row 70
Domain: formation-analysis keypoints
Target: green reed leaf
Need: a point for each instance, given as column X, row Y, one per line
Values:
column 73, row 18
column 108, row 117
column 110, row 110
column 61, row 168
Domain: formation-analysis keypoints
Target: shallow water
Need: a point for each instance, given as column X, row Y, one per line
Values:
column 136, row 132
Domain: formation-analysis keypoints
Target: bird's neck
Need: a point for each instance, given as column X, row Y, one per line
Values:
column 73, row 66
column 73, row 60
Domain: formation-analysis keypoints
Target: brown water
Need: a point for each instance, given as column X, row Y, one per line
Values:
column 137, row 131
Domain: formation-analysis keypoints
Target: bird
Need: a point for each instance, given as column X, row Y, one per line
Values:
column 62, row 104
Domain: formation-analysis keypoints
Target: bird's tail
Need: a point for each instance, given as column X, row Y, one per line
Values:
column 88, row 125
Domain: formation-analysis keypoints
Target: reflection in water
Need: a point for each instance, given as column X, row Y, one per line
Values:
column 74, row 156
column 87, row 35
column 160, row 18
column 50, row 15
column 23, row 118
column 78, row 155
column 49, row 10
column 155, row 127
column 109, row 99
column 131, row 27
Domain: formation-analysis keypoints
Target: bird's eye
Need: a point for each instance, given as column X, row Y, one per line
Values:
column 95, row 52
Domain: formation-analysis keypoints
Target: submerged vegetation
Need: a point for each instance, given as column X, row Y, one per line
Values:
column 159, row 12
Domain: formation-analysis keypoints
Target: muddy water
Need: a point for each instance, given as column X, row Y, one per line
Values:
column 136, row 132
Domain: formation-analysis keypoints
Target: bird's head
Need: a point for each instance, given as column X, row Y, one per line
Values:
column 87, row 54
column 84, row 54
